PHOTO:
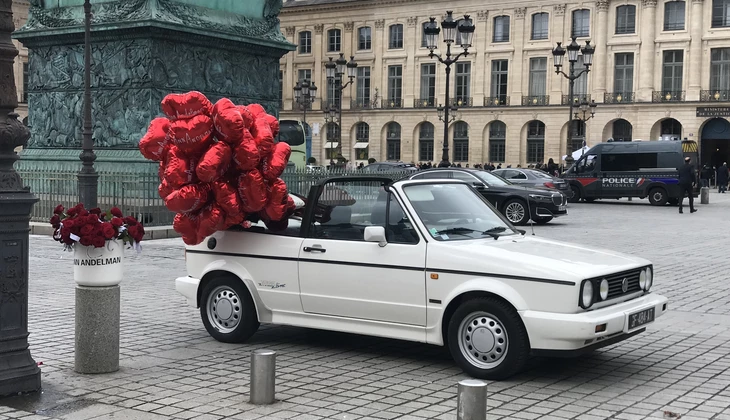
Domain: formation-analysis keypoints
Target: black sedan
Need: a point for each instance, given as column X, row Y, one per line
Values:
column 534, row 178
column 517, row 203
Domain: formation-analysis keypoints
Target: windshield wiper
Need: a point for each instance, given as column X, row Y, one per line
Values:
column 457, row 230
column 495, row 232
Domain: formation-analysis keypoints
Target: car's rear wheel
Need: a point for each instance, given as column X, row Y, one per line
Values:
column 516, row 212
column 575, row 197
column 658, row 197
column 487, row 339
column 227, row 310
column 543, row 220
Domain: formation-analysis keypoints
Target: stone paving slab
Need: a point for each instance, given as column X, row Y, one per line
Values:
column 172, row 369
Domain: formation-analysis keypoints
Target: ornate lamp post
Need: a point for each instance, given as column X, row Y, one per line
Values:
column 18, row 370
column 335, row 70
column 588, row 110
column 304, row 95
column 454, row 31
column 88, row 178
column 558, row 55
column 448, row 115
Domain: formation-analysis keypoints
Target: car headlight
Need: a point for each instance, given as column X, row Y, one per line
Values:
column 649, row 278
column 586, row 294
column 538, row 197
column 603, row 289
column 642, row 280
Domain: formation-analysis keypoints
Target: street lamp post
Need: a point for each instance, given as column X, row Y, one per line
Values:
column 304, row 94
column 588, row 111
column 447, row 113
column 335, row 70
column 88, row 178
column 462, row 33
column 558, row 55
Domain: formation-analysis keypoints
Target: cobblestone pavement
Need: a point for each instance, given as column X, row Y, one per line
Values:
column 171, row 368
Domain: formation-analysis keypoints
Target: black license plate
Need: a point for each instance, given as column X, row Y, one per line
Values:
column 641, row 318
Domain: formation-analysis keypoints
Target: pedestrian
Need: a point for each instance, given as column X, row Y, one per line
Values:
column 706, row 175
column 722, row 178
column 686, row 182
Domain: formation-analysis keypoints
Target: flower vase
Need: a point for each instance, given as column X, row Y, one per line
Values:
column 99, row 267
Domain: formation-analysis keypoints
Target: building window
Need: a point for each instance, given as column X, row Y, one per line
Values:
column 424, row 43
column 622, row 130
column 623, row 74
column 501, row 29
column 580, row 88
column 393, row 141
column 362, row 141
column 578, row 136
column 671, row 128
column 540, row 26
column 364, row 38
column 719, row 70
column 499, row 80
column 535, row 142
column 626, row 19
column 672, row 71
column 305, row 42
column 26, row 78
column 395, row 84
column 362, row 94
column 428, row 85
column 581, row 23
column 538, row 76
column 674, row 16
column 497, row 140
column 425, row 142
column 334, row 94
column 720, row 13
column 461, row 142
column 334, row 40
column 333, row 137
column 395, row 39
column 304, row 74
column 462, row 82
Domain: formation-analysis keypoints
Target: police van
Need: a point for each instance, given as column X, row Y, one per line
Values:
column 632, row 169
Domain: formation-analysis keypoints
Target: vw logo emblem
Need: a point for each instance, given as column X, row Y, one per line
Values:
column 625, row 285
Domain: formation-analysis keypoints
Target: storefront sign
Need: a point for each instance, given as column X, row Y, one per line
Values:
column 713, row 111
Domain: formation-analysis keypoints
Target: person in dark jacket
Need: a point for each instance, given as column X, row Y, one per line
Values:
column 686, row 182
column 706, row 175
column 722, row 178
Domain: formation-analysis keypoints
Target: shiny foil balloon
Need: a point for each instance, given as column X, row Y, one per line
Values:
column 154, row 144
column 192, row 136
column 189, row 198
column 185, row 105
column 252, row 190
column 214, row 163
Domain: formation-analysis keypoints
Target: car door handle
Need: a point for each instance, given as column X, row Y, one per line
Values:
column 314, row 249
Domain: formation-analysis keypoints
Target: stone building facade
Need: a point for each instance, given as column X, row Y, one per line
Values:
column 20, row 15
column 661, row 70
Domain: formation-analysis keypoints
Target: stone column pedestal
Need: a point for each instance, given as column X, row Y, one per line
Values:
column 97, row 329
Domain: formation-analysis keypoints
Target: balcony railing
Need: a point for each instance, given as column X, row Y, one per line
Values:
column 618, row 97
column 715, row 95
column 502, row 100
column 461, row 102
column 361, row 104
column 667, row 96
column 424, row 103
column 577, row 99
column 536, row 100
column 393, row 103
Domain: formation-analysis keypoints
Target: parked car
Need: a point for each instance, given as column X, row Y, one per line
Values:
column 534, row 178
column 517, row 203
column 390, row 167
column 421, row 260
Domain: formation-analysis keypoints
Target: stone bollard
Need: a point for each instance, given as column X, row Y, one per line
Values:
column 97, row 329
column 472, row 400
column 263, row 377
column 705, row 195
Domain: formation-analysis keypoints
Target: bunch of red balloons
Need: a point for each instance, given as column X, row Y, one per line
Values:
column 218, row 164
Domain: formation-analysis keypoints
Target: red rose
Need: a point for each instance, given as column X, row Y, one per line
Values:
column 116, row 212
column 69, row 223
column 130, row 221
column 117, row 222
column 98, row 242
column 72, row 212
column 98, row 230
column 85, row 241
column 108, row 230
column 92, row 219
column 86, row 230
column 55, row 221
column 95, row 210
column 59, row 209
column 83, row 213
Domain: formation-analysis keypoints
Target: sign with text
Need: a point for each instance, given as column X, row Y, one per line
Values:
column 713, row 111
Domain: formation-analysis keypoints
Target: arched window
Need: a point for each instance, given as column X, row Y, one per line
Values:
column 671, row 128
column 425, row 142
column 581, row 23
column 461, row 142
column 497, row 140
column 334, row 40
column 333, row 137
column 501, row 29
column 540, row 23
column 535, row 142
column 395, row 38
column 626, row 19
column 578, row 136
column 362, row 140
column 393, row 141
column 305, row 42
column 622, row 130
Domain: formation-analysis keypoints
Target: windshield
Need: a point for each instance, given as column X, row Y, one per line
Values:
column 492, row 179
column 455, row 212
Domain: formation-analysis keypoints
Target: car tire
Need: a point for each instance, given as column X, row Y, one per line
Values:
column 516, row 212
column 658, row 196
column 488, row 321
column 543, row 220
column 227, row 310
column 575, row 197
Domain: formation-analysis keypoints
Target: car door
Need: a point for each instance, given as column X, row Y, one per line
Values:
column 342, row 275
column 585, row 171
column 518, row 177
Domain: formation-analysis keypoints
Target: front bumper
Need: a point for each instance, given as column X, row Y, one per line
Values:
column 188, row 287
column 570, row 332
column 547, row 210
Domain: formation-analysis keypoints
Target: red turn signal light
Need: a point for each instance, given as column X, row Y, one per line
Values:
column 549, row 185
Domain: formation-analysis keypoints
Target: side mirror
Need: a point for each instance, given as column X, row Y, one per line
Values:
column 375, row 234
column 479, row 185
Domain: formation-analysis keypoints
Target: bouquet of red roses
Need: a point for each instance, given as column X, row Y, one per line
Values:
column 93, row 228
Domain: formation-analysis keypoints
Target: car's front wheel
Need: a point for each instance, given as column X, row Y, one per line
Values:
column 487, row 339
column 516, row 212
column 227, row 310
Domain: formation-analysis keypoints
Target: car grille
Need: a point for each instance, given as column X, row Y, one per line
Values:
column 558, row 199
column 615, row 282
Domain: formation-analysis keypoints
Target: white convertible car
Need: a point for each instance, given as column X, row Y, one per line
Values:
column 420, row 260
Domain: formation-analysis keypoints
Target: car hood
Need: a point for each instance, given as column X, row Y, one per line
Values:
column 528, row 256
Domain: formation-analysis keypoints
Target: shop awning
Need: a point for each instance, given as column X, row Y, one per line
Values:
column 361, row 145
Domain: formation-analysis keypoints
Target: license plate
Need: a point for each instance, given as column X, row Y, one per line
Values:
column 641, row 318
column 561, row 208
